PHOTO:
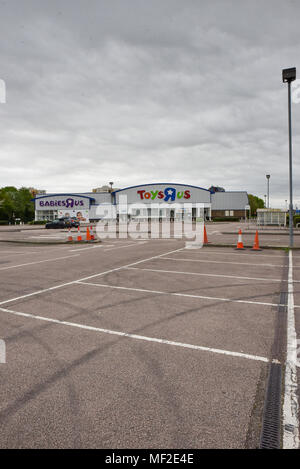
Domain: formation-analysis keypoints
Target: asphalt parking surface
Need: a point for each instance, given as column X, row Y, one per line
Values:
column 138, row 344
column 218, row 233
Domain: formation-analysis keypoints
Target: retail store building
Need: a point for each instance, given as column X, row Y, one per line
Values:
column 157, row 200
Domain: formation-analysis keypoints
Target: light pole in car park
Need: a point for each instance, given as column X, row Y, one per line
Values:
column 268, row 179
column 289, row 75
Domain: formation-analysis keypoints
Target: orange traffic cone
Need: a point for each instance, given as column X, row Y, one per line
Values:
column 205, row 240
column 256, row 243
column 92, row 233
column 88, row 234
column 79, row 237
column 70, row 237
column 240, row 244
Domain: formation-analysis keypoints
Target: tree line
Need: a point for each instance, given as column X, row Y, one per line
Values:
column 255, row 203
column 16, row 204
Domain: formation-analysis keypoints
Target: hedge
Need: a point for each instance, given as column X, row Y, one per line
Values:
column 38, row 222
column 296, row 219
column 226, row 219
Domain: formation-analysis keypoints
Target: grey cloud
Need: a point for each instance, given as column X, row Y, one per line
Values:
column 133, row 91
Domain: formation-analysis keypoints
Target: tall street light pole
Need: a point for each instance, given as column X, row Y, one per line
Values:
column 289, row 75
column 268, row 179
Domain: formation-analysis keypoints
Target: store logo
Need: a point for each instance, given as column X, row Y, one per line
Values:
column 68, row 203
column 168, row 195
column 2, row 92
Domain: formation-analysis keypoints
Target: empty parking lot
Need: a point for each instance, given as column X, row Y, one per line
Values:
column 140, row 344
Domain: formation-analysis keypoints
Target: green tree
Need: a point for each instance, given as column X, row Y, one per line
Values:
column 255, row 203
column 7, row 203
column 16, row 203
column 23, row 205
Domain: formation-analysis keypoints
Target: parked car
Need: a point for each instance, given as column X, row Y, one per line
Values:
column 62, row 223
column 73, row 222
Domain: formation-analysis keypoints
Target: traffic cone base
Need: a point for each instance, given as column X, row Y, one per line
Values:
column 205, row 239
column 79, row 237
column 256, row 243
column 70, row 237
column 240, row 245
column 88, row 234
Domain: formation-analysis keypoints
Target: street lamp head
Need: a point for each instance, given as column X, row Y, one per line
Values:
column 268, row 176
column 288, row 75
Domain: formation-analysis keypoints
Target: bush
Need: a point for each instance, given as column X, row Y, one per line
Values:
column 4, row 222
column 38, row 222
column 296, row 219
column 226, row 219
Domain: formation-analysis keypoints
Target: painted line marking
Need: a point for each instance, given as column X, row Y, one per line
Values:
column 186, row 295
column 84, row 249
column 126, row 246
column 240, row 253
column 61, row 285
column 38, row 262
column 212, row 275
column 141, row 337
column 221, row 262
column 291, row 406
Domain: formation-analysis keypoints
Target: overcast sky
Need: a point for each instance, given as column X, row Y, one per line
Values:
column 140, row 91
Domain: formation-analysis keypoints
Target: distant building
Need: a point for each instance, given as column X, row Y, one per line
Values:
column 229, row 204
column 214, row 189
column 104, row 189
column 35, row 192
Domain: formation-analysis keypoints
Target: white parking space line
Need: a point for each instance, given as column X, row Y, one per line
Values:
column 38, row 262
column 185, row 295
column 291, row 406
column 207, row 250
column 264, row 279
column 140, row 337
column 72, row 282
column 85, row 249
column 220, row 262
column 126, row 246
